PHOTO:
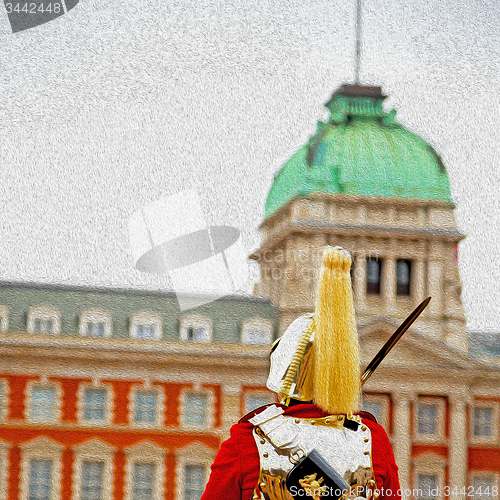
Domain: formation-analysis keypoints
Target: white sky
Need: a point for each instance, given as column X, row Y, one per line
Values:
column 119, row 103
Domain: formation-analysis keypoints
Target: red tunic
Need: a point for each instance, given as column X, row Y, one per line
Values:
column 235, row 471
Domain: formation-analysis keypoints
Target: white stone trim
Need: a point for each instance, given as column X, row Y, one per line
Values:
column 4, row 318
column 95, row 315
column 93, row 450
column 252, row 325
column 58, row 396
column 4, row 401
column 438, row 437
column 429, row 464
column 146, row 318
column 160, row 405
column 145, row 452
column 484, row 439
column 4, row 468
column 80, row 404
column 195, row 321
column 44, row 312
column 195, row 454
column 210, row 399
column 41, row 448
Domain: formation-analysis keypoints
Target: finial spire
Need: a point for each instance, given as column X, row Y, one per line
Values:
column 358, row 38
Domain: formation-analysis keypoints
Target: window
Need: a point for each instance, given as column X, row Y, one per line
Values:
column 195, row 410
column 427, row 419
column 93, row 471
column 427, row 487
column 257, row 331
column 92, row 479
column 378, row 406
column 94, row 405
column 43, row 319
column 95, row 329
column 145, row 406
column 196, row 328
column 43, row 404
column 403, row 277
column 4, row 318
column 146, row 325
column 40, row 479
column 95, row 323
column 144, row 472
column 194, row 482
column 253, row 401
column 484, row 486
column 483, row 422
column 143, row 481
column 41, row 470
column 373, row 274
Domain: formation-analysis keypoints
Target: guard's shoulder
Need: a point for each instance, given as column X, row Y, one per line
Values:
column 257, row 411
column 367, row 415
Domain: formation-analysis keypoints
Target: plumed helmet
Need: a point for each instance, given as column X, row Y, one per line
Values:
column 317, row 358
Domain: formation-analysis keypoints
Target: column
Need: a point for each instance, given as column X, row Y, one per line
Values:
column 418, row 279
column 458, row 445
column 389, row 284
column 360, row 281
column 231, row 397
column 402, row 438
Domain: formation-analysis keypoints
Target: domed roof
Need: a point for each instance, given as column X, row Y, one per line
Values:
column 361, row 151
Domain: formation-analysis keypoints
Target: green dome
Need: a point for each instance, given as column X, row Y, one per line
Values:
column 361, row 151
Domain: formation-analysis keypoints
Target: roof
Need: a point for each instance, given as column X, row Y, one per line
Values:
column 361, row 150
column 484, row 344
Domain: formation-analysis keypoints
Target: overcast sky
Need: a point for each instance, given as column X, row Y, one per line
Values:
column 119, row 103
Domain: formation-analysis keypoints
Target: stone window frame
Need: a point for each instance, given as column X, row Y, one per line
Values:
column 195, row 454
column 439, row 437
column 160, row 405
column 430, row 464
column 4, row 319
column 80, row 404
column 480, row 474
column 210, row 413
column 95, row 315
column 256, row 323
column 195, row 321
column 145, row 452
column 4, row 468
column 41, row 448
column 385, row 402
column 484, row 439
column 259, row 393
column 58, row 400
column 44, row 312
column 147, row 318
column 94, row 450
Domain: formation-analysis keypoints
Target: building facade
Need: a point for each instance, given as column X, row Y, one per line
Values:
column 116, row 394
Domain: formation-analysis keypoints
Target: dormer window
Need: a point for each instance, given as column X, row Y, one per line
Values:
column 256, row 331
column 195, row 328
column 95, row 323
column 146, row 325
column 43, row 319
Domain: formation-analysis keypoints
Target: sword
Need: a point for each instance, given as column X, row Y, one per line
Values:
column 392, row 341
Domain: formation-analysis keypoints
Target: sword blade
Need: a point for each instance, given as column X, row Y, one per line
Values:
column 393, row 340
